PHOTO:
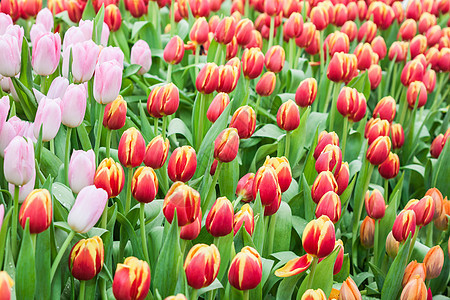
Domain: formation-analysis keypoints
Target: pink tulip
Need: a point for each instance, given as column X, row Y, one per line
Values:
column 22, row 128
column 73, row 105
column 19, row 161
column 2, row 214
column 84, row 58
column 48, row 116
column 46, row 53
column 87, row 209
column 107, row 82
column 81, row 170
column 36, row 31
column 72, row 36
column 9, row 56
column 58, row 88
column 45, row 17
column 141, row 55
column 25, row 189
column 87, row 27
column 17, row 32
column 111, row 53
column 4, row 110
column 5, row 83
column 6, row 136
column 5, row 21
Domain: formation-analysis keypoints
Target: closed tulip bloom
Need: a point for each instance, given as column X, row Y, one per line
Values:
column 367, row 232
column 131, row 280
column 255, row 40
column 156, row 152
column 342, row 67
column 207, row 79
column 385, row 109
column 202, row 265
column 329, row 205
column 6, row 284
column 226, row 145
column 131, row 148
column 375, row 205
column 115, row 114
column 199, row 31
column 294, row 26
column 266, row 84
column 319, row 237
column 349, row 289
column 37, row 208
column 434, row 261
column 379, row 150
column 74, row 9
column 340, row 14
column 282, row 169
column 364, row 55
column 144, row 185
column 113, row 18
column 350, row 29
column 444, row 55
column 438, row 201
column 319, row 17
column 163, row 100
column 174, row 51
column 86, row 258
column 306, row 92
column 84, row 58
column 141, row 55
column 412, row 270
column 244, row 32
column 46, row 53
column 245, row 271
column 19, row 165
column 182, row 164
column 424, row 210
column 342, row 178
column 404, row 224
column 340, row 257
column 244, row 187
column 418, row 45
column 392, row 246
column 191, row 231
column 390, row 167
column 306, row 37
column 252, row 62
column 379, row 46
column 217, row 106
column 73, row 105
column 367, row 31
column 329, row 160
column 48, row 116
column 398, row 50
column 111, row 53
column 375, row 74
column 429, row 80
column 382, row 14
column 10, row 55
column 314, row 47
column 275, row 58
column 219, row 221
column 397, row 136
column 176, row 297
column 24, row 190
column 416, row 91
column 228, row 78
column 323, row 140
column 110, row 177
column 336, row 42
column 185, row 200
column 437, row 146
column 107, row 81
column 314, row 295
column 244, row 216
column 81, row 170
column 324, row 183
column 413, row 71
column 5, row 21
column 415, row 289
column 375, row 128
column 407, row 30
column 225, row 30
column 266, row 184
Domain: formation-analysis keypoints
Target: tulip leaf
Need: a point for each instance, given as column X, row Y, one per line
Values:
column 442, row 170
column 298, row 137
column 393, row 283
column 25, row 270
column 345, row 270
column 63, row 194
column 307, row 200
column 260, row 228
column 25, row 69
column 216, row 284
column 98, row 25
column 439, row 284
column 224, row 244
column 261, row 154
column 309, row 170
column 120, row 40
column 49, row 163
column 177, row 126
column 89, row 12
column 131, row 70
column 4, row 236
column 126, row 225
column 323, row 276
column 287, row 286
column 269, row 131
column 84, row 137
column 283, row 228
column 228, row 178
column 43, row 263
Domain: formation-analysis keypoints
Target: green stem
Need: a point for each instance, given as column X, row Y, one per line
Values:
column 169, row 73
column 404, row 108
column 271, row 233
column 333, row 108
column 128, row 201
column 67, row 155
column 429, row 239
column 155, row 126
column 14, row 221
column 212, row 187
column 60, row 254
column 143, row 234
column 437, row 103
column 344, row 137
column 413, row 242
column 142, row 85
column 247, row 9
column 376, row 241
column 52, row 146
column 287, row 144
column 311, row 274
column 247, row 91
column 236, row 202
column 271, row 31
column 292, row 53
column 43, row 79
column 201, row 120
column 321, row 53
column 104, row 221
column 172, row 18
column 246, row 294
column 258, row 102
column 386, row 190
column 394, row 79
column 98, row 136
column 298, row 52
column 193, row 295
column 164, row 127
column 196, row 60
column 82, row 290
column 108, row 142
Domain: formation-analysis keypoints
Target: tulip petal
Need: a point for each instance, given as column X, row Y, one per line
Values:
column 295, row 266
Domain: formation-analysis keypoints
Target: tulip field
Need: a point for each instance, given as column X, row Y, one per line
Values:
column 224, row 149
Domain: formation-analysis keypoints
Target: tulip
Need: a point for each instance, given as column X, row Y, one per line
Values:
column 24, row 190
column 282, row 170
column 378, row 150
column 11, row 7
column 319, row 237
column 413, row 71
column 191, row 231
column 382, row 14
column 294, row 26
column 404, row 224
column 19, row 165
column 144, row 185
column 426, row 21
column 438, row 201
column 176, row 297
column 385, row 109
column 217, row 106
column 375, row 128
column 390, row 167
column 86, row 258
column 314, row 294
column 374, row 73
column 429, row 80
column 336, row 42
column 342, row 67
column 367, row 232
column 434, row 261
column 349, row 289
column 73, row 105
column 288, row 116
column 202, row 265
column 323, row 140
column 437, row 146
column 131, row 280
column 137, row 8
column 74, row 9
column 330, row 159
column 252, row 62
column 163, row 100
column 350, row 29
column 182, row 164
column 397, row 136
column 255, row 40
column 266, row 184
column 88, row 208
column 6, row 284
column 398, row 50
column 415, row 289
column 48, row 116
column 219, row 221
column 266, row 84
column 131, row 148
column 364, row 55
column 185, row 200
column 244, row 187
column 412, row 270
column 244, row 32
column 340, row 257
column 199, row 31
column 319, row 17
column 225, row 30
column 37, row 208
column 314, row 47
column 329, row 205
column 156, row 152
column 342, row 178
column 407, row 30
column 46, row 53
column 375, row 205
column 379, row 46
column 5, row 21
column 347, row 101
column 228, row 78
column 245, row 271
column 174, row 51
column 141, row 55
column 424, row 210
column 324, row 183
column 295, row 266
column 226, row 145
column 107, row 81
column 443, row 62
column 113, row 17
column 306, row 92
column 274, row 59
column 84, row 59
column 244, row 216
column 115, row 114
column 418, row 45
column 207, row 79
column 306, row 37
column 367, row 31
column 81, row 170
column 392, row 245
column 10, row 55
column 416, row 91
column 110, row 177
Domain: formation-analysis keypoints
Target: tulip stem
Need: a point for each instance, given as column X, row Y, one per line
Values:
column 143, row 234
column 429, row 239
column 67, row 155
column 404, row 109
column 43, row 78
column 155, row 126
column 98, row 137
column 104, row 221
column 333, row 107
column 247, row 9
column 344, row 137
column 14, row 221
column 271, row 233
column 311, row 274
column 82, row 289
column 287, row 144
column 193, row 295
column 169, row 73
column 386, row 191
column 202, row 104
column 437, row 103
column 321, row 53
column 258, row 102
column 292, row 53
column 172, row 18
column 413, row 242
column 271, row 31
column 376, row 242
column 212, row 187
column 108, row 142
column 60, row 254
column 128, row 201
column 246, row 294
column 247, row 89
column 164, row 127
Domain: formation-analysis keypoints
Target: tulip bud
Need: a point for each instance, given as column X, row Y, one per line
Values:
column 107, row 81
column 350, row 29
column 202, row 265
column 294, row 26
column 385, row 109
column 323, row 140
column 364, row 55
column 306, row 37
column 174, row 51
column 443, row 62
column 415, row 289
column 342, row 178
column 156, row 152
column 141, row 55
column 413, row 71
column 81, row 170
column 342, row 67
column 416, row 91
column 349, row 289
column 219, row 221
column 110, row 177
column 73, row 105
column 382, row 14
column 228, row 78
column 244, row 32
column 438, row 201
column 367, row 232
column 163, row 100
column 19, row 165
column 390, row 167
column 245, row 186
column 86, row 258
column 375, row 128
column 324, row 183
column 282, row 169
column 10, row 55
column 217, row 106
column 266, row 84
column 404, row 224
column 113, row 18
column 412, row 270
column 177, row 297
column 225, row 30
column 319, row 17
column 208, row 78
column 379, row 46
column 245, row 271
column 226, row 145
column 288, row 116
column 429, row 80
column 185, row 200
column 131, row 148
column 424, row 210
column 115, row 114
column 182, row 164
column 275, row 58
column 6, row 284
column 266, row 183
column 434, row 261
column 437, row 146
column 319, row 237
column 252, row 62
column 38, row 209
column 392, row 245
column 407, row 30
column 329, row 160
column 314, row 47
column 132, row 279
column 314, row 295
column 367, row 31
column 336, row 42
column 374, row 73
column 48, row 116
column 46, row 53
column 191, row 231
column 306, row 92
column 379, row 150
column 144, row 185
column 375, row 205
column 340, row 257
column 397, row 136
column 330, row 206
column 418, row 45
column 347, row 101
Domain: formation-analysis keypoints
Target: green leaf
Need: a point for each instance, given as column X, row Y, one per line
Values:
column 25, row 271
column 43, row 264
column 261, row 154
column 442, row 171
column 25, row 69
column 283, row 228
column 307, row 199
column 216, row 284
column 131, row 70
column 120, row 40
column 228, row 178
column 287, row 286
column 177, row 126
column 298, row 137
column 309, row 170
column 3, row 236
column 137, row 250
column 224, row 245
column 63, row 194
column 84, row 137
column 269, row 131
column 259, row 231
column 98, row 25
column 89, row 12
